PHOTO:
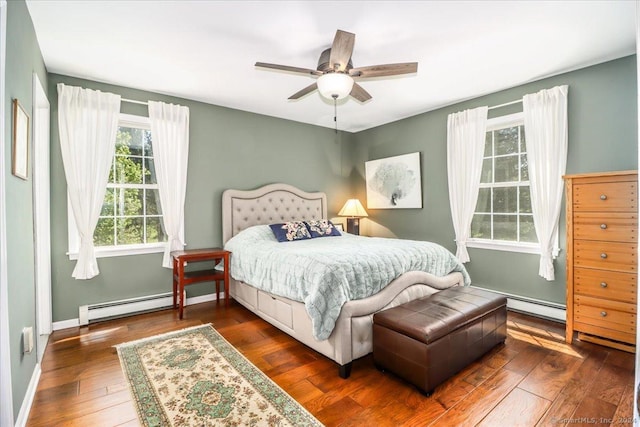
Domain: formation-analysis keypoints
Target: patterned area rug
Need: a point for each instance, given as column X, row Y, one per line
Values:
column 194, row 377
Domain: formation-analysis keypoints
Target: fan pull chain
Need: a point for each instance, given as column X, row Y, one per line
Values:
column 335, row 110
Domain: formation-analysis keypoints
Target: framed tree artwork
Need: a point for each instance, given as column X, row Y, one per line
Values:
column 394, row 182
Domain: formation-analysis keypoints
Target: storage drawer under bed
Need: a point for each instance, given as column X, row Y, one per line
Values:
column 275, row 308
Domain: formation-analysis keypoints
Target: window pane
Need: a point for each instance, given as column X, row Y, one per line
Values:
column 112, row 173
column 486, row 176
column 123, row 138
column 108, row 206
column 504, row 227
column 148, row 147
column 129, row 201
column 153, row 202
column 128, row 170
column 506, row 141
column 505, row 200
column 525, row 199
column 484, row 200
column 523, row 145
column 506, row 169
column 103, row 236
column 149, row 171
column 527, row 230
column 131, row 138
column 129, row 231
column 487, row 144
column 481, row 227
column 155, row 232
column 524, row 167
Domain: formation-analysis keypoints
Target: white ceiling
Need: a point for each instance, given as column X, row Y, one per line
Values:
column 206, row 50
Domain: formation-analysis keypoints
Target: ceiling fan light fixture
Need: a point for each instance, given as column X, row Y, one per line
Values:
column 335, row 85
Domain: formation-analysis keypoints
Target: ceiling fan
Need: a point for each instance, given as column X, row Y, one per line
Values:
column 335, row 71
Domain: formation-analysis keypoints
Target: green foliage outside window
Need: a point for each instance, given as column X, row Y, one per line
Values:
column 131, row 212
column 503, row 211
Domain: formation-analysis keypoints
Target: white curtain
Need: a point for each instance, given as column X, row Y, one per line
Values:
column 546, row 127
column 465, row 147
column 88, row 122
column 170, row 133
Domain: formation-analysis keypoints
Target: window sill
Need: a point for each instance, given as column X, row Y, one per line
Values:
column 526, row 248
column 125, row 250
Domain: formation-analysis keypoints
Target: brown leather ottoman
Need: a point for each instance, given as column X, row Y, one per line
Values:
column 428, row 340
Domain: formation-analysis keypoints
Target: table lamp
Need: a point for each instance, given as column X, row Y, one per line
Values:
column 354, row 211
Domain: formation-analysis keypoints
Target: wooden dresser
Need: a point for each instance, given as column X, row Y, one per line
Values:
column 602, row 266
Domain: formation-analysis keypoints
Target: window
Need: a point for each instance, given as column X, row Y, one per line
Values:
column 503, row 218
column 131, row 218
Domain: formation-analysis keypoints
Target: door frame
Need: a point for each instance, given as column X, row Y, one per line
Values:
column 41, row 214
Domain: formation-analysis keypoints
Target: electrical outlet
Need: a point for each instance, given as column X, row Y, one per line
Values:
column 27, row 339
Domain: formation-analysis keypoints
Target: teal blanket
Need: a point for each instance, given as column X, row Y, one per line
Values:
column 326, row 272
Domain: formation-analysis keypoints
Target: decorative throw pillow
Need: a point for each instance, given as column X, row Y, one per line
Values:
column 290, row 231
column 322, row 228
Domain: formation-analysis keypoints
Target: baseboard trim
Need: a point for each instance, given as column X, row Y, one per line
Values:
column 203, row 298
column 23, row 415
column 74, row 323
column 65, row 324
column 533, row 306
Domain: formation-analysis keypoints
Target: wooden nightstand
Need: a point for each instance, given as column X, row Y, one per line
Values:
column 182, row 278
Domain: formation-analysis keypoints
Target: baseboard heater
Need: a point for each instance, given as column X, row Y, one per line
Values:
column 545, row 309
column 105, row 310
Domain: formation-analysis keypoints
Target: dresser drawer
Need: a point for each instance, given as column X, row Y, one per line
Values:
column 612, row 196
column 605, row 304
column 622, row 321
column 605, row 255
column 610, row 285
column 613, row 334
column 612, row 226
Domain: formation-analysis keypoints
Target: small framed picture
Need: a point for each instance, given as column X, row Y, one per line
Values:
column 20, row 159
column 339, row 226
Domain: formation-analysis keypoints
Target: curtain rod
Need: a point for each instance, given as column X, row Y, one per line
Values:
column 133, row 101
column 502, row 105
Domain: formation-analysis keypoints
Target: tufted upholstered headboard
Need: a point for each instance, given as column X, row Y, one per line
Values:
column 268, row 205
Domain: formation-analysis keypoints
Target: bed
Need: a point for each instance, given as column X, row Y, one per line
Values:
column 351, row 337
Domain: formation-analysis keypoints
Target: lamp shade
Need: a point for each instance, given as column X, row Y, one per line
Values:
column 353, row 208
column 338, row 84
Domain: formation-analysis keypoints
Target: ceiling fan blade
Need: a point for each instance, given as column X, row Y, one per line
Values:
column 359, row 93
column 288, row 68
column 341, row 50
column 304, row 91
column 384, row 70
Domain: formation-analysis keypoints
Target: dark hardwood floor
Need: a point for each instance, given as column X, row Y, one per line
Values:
column 534, row 379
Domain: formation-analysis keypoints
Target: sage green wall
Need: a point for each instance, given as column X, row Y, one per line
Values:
column 228, row 149
column 235, row 149
column 23, row 59
column 602, row 137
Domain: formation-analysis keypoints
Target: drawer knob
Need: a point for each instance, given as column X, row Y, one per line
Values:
column 603, row 197
column 603, row 226
column 603, row 255
column 603, row 313
column 603, row 285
